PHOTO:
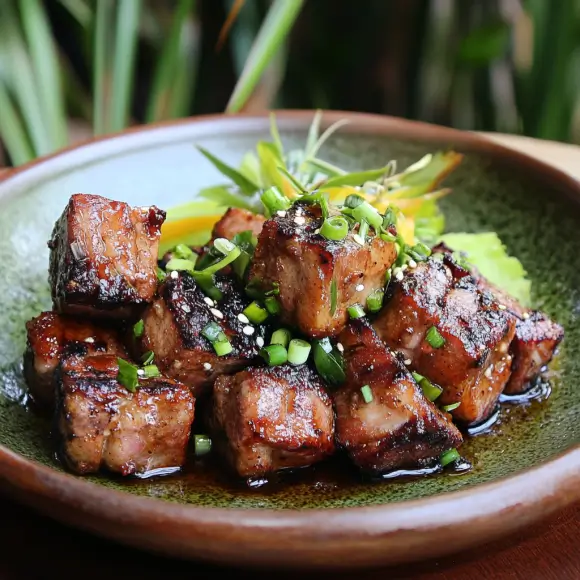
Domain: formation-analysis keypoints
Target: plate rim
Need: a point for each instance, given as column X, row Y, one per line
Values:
column 511, row 497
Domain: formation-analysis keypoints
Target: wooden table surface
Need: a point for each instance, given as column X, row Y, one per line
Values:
column 32, row 546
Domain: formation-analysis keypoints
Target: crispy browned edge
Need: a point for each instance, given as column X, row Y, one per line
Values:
column 320, row 538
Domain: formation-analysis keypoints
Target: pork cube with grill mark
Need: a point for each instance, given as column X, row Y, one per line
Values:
column 104, row 426
column 399, row 428
column 103, row 257
column 309, row 269
column 273, row 418
column 51, row 337
column 173, row 327
column 235, row 221
column 472, row 365
column 536, row 337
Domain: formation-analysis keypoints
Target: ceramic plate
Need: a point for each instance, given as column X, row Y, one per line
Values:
column 525, row 469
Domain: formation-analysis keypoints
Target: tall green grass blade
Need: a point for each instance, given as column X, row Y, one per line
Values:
column 273, row 31
column 12, row 131
column 170, row 94
column 16, row 69
column 102, row 74
column 46, row 68
column 126, row 36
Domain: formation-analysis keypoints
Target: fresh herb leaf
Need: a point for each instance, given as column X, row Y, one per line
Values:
column 356, row 178
column 224, row 195
column 276, row 136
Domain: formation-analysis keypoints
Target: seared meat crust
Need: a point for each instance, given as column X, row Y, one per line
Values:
column 399, row 428
column 267, row 419
column 235, row 221
column 103, row 257
column 104, row 426
column 291, row 254
column 53, row 337
column 173, row 327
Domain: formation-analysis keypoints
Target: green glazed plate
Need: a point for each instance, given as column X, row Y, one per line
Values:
column 531, row 455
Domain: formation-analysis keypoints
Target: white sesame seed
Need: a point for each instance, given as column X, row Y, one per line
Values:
column 526, row 315
column 502, row 306
column 260, row 341
column 281, row 213
column 360, row 287
column 339, row 347
column 185, row 308
column 243, row 318
column 299, row 210
column 248, row 330
column 300, row 220
column 174, row 274
column 404, row 267
column 412, row 263
column 217, row 313
column 208, row 301
column 317, row 231
column 207, row 366
column 398, row 274
column 89, row 339
column 488, row 371
column 408, row 361
column 140, row 372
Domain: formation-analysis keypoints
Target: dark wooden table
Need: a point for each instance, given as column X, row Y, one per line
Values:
column 32, row 546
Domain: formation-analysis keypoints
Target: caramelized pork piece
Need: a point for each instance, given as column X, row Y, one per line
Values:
column 452, row 333
column 398, row 428
column 273, row 418
column 173, row 327
column 536, row 337
column 103, row 257
column 104, row 426
column 235, row 221
column 51, row 338
column 309, row 269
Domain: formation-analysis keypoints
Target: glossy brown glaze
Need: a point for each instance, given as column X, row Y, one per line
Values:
column 52, row 337
column 399, row 428
column 104, row 426
column 292, row 254
column 268, row 419
column 235, row 221
column 103, row 257
column 173, row 327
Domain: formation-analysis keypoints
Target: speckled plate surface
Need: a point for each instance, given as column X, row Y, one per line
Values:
column 526, row 468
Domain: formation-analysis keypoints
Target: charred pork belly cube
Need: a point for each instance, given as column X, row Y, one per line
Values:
column 452, row 333
column 383, row 420
column 273, row 418
column 51, row 338
column 175, row 328
column 235, row 221
column 536, row 337
column 103, row 257
column 318, row 279
column 104, row 426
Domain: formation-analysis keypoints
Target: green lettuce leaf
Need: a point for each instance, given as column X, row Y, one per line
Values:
column 486, row 252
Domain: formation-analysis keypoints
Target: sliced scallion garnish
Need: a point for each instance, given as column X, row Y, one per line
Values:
column 222, row 345
column 179, row 265
column 367, row 394
column 274, row 354
column 353, row 200
column 161, row 275
column 449, row 457
column 274, row 200
column 328, row 362
column 255, row 313
column 272, row 305
column 334, row 228
column 356, row 311
column 148, row 357
column 183, row 252
column 375, row 300
column 365, row 211
column 138, row 329
column 281, row 336
column 298, row 351
column 202, row 444
column 127, row 375
column 451, row 407
column 150, row 372
column 434, row 338
column 211, row 331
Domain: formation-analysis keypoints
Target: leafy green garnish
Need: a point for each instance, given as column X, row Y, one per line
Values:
column 486, row 252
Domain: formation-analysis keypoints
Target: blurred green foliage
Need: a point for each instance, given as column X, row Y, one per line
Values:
column 501, row 65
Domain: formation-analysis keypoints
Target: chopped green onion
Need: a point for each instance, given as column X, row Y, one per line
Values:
column 367, row 394
column 365, row 211
column 255, row 313
column 127, row 375
column 334, row 228
column 418, row 378
column 430, row 390
column 224, row 246
column 449, row 457
column 161, row 275
column 274, row 354
column 272, row 305
column 375, row 300
column 298, row 351
column 211, row 331
column 353, row 200
column 274, row 200
column 328, row 362
column 148, row 357
column 356, row 311
column 202, row 445
column 208, row 287
column 434, row 338
column 222, row 345
column 389, row 219
column 333, row 297
column 388, row 237
column 150, row 371
column 388, row 276
column 183, row 252
column 363, row 230
column 422, row 248
column 319, row 199
column 232, row 255
column 281, row 336
column 241, row 264
column 451, row 407
column 180, row 265
column 138, row 329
